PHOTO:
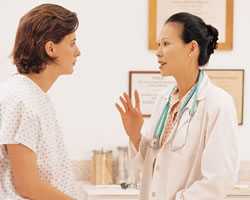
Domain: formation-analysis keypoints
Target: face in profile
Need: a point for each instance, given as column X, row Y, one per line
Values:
column 66, row 53
column 172, row 52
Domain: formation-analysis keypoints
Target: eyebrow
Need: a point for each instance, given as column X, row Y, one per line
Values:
column 165, row 38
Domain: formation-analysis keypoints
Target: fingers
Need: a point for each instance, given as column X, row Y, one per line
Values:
column 137, row 101
column 127, row 105
column 124, row 103
column 128, row 101
column 119, row 108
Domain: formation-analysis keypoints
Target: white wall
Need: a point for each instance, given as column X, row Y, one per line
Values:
column 113, row 40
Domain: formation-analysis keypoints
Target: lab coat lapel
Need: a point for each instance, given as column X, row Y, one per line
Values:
column 184, row 119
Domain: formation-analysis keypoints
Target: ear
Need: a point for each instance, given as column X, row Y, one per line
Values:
column 50, row 49
column 194, row 48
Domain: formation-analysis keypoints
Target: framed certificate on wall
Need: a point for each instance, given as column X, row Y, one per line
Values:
column 150, row 83
column 217, row 13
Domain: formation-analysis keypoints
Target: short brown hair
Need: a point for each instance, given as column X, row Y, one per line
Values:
column 47, row 22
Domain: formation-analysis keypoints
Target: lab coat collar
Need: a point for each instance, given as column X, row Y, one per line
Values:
column 203, row 87
column 202, row 92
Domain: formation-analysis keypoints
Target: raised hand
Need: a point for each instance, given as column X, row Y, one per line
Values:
column 131, row 116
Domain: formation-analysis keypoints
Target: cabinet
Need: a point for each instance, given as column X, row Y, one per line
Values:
column 114, row 192
column 240, row 192
column 109, row 192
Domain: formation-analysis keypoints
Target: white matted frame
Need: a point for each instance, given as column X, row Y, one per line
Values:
column 214, row 12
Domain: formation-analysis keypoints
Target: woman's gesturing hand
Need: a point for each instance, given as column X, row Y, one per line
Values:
column 131, row 116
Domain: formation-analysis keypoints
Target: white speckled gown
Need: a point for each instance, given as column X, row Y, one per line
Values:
column 27, row 117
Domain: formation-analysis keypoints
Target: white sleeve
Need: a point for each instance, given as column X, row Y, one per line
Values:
column 18, row 125
column 137, row 158
column 220, row 159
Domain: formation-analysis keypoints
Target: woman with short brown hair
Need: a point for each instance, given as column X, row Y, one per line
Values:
column 33, row 160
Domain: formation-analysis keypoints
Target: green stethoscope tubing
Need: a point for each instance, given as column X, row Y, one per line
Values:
column 193, row 93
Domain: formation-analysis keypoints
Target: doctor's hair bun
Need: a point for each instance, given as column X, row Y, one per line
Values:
column 195, row 29
column 213, row 38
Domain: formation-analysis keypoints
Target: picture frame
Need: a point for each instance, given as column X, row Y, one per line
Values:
column 149, row 83
column 221, row 17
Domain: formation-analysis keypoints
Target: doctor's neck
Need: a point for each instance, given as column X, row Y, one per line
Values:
column 186, row 81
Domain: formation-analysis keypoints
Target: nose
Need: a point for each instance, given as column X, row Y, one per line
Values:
column 158, row 52
column 78, row 53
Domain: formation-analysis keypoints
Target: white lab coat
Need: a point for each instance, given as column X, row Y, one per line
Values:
column 199, row 164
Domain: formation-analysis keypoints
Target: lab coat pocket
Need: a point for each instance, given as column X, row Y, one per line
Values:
column 180, row 133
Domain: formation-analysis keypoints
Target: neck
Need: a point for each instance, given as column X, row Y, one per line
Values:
column 45, row 78
column 186, row 82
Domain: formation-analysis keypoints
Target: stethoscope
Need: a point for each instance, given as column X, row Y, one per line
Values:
column 155, row 142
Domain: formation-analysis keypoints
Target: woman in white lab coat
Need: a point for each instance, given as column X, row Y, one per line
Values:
column 190, row 151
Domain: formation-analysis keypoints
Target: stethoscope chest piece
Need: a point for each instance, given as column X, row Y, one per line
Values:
column 155, row 143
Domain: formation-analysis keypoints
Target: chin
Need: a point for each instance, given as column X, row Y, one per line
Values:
column 162, row 74
column 68, row 72
column 165, row 73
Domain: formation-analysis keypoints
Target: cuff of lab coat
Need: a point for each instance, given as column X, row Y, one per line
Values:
column 179, row 195
column 139, row 156
column 143, row 147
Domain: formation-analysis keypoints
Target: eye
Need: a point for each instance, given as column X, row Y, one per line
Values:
column 165, row 43
column 158, row 44
column 73, row 43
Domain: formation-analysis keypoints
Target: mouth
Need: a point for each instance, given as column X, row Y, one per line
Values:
column 161, row 64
